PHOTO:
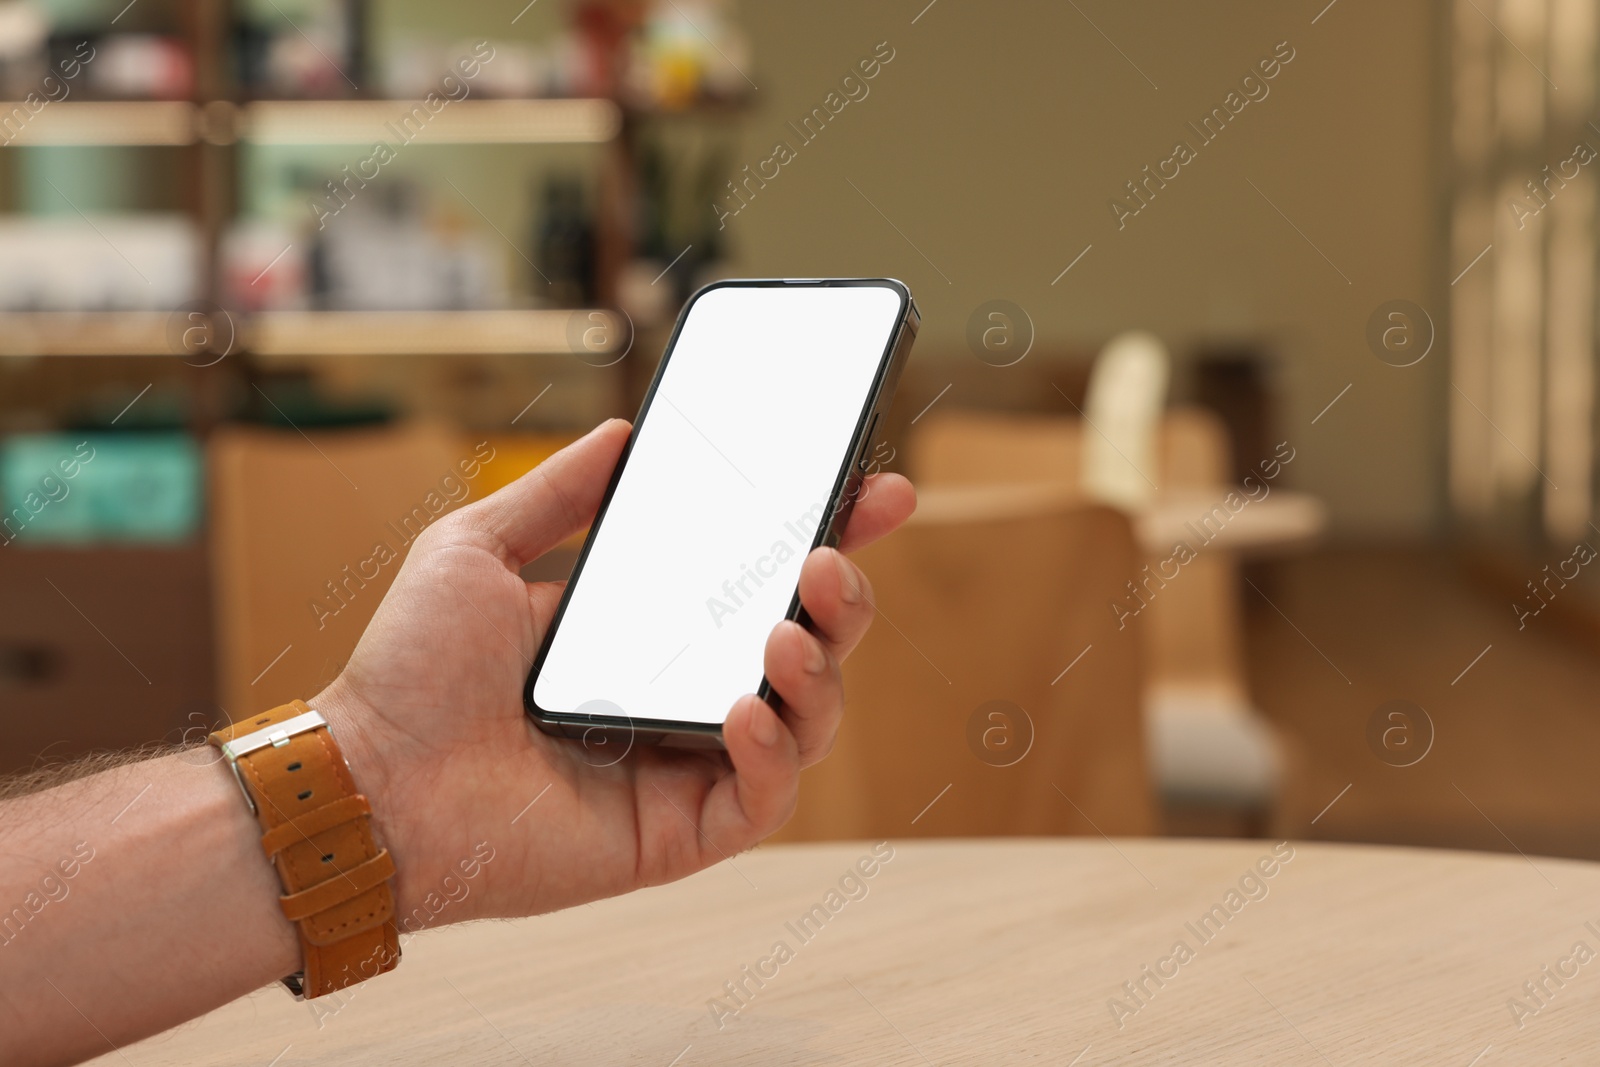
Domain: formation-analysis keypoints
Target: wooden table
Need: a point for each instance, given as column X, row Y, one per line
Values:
column 986, row 952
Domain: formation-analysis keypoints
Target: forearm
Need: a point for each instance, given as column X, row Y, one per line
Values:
column 130, row 902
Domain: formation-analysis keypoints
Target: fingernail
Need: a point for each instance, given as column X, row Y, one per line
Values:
column 816, row 660
column 764, row 727
column 849, row 584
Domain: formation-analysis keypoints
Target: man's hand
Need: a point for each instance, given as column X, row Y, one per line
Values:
column 171, row 909
column 429, row 712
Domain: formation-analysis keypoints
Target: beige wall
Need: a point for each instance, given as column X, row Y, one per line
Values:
column 999, row 132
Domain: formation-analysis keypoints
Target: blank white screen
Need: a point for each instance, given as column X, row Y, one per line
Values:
column 699, row 552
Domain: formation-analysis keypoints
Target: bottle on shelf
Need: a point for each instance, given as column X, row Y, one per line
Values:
column 321, row 52
column 564, row 244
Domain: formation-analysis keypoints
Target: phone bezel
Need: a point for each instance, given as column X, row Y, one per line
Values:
column 890, row 362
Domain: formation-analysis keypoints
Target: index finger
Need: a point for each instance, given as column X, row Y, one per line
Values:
column 886, row 501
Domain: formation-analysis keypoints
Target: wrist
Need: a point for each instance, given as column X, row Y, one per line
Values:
column 358, row 729
column 317, row 832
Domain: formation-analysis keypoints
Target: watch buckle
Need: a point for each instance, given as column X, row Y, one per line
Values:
column 275, row 736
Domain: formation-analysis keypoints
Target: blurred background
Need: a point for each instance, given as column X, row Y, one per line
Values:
column 1252, row 412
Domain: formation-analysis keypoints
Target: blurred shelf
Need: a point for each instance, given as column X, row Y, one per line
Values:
column 178, row 122
column 363, row 122
column 94, row 333
column 386, row 333
column 102, row 122
column 722, row 108
column 325, row 333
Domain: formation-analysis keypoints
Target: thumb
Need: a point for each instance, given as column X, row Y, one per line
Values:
column 554, row 500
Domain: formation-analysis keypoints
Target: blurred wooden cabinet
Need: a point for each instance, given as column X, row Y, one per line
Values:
column 307, row 535
column 102, row 648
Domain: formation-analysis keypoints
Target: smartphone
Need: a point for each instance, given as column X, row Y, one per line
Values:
column 750, row 450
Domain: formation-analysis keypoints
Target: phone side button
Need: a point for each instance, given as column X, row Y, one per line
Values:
column 865, row 458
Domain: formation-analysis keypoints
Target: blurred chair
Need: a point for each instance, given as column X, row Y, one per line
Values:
column 1211, row 753
column 297, row 527
column 963, row 448
column 1127, row 393
column 993, row 694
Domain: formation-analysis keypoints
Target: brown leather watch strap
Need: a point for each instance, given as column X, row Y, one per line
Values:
column 335, row 891
column 317, row 830
column 313, row 822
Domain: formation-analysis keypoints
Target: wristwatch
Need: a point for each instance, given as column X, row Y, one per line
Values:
column 317, row 831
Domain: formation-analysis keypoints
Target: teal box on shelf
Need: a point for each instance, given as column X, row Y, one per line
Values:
column 78, row 489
